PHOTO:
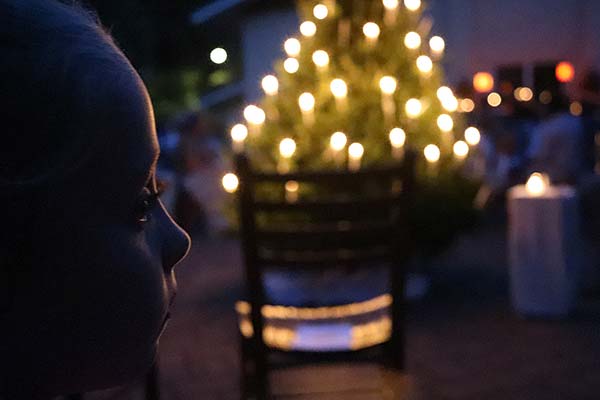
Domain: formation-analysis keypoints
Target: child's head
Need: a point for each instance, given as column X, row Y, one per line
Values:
column 87, row 249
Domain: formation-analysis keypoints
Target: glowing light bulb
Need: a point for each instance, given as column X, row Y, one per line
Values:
column 445, row 123
column 320, row 11
column 239, row 133
column 218, row 55
column 413, row 108
column 472, row 136
column 306, row 101
column 432, row 153
column 424, row 64
column 291, row 65
column 339, row 88
column 437, row 45
column 287, row 148
column 308, row 29
column 397, row 137
column 320, row 58
column 483, row 82
column 338, row 141
column 388, row 84
column 391, row 4
column 270, row 85
column 230, row 182
column 371, row 30
column 494, row 99
column 292, row 47
column 254, row 115
column 412, row 40
column 412, row 5
column 537, row 184
column 461, row 149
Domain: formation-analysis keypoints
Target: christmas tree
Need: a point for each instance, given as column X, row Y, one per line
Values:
column 362, row 84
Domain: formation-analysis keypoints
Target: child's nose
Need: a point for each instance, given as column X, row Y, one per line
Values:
column 175, row 242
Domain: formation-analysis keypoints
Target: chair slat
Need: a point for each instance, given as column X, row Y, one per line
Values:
column 322, row 259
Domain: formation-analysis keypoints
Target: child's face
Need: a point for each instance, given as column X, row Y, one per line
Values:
column 90, row 312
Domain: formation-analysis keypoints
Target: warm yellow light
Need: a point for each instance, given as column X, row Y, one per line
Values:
column 445, row 123
column 338, row 141
column 388, row 84
column 292, row 47
column 339, row 88
column 254, row 115
column 320, row 11
column 437, row 45
column 371, row 30
column 412, row 5
column 537, row 184
column 287, row 148
column 397, row 137
column 576, row 109
column 391, row 4
column 320, row 58
column 424, row 64
column 565, row 72
column 291, row 65
column 230, row 182
column 306, row 101
column 467, row 105
column 412, row 40
column 523, row 94
column 472, row 136
column 270, row 85
column 218, row 55
column 308, row 29
column 461, row 149
column 450, row 104
column 494, row 99
column 444, row 92
column 432, row 153
column 239, row 133
column 483, row 82
column 356, row 151
column 413, row 108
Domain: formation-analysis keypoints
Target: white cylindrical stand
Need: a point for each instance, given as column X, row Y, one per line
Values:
column 544, row 251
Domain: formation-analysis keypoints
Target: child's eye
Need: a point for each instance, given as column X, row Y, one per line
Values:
column 146, row 202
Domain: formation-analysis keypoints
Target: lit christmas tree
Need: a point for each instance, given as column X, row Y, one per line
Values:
column 361, row 85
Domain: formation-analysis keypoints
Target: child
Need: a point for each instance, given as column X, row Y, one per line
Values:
column 87, row 250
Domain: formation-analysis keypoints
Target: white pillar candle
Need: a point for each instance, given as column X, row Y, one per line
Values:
column 239, row 133
column 355, row 154
column 287, row 148
column 388, row 85
column 291, row 191
column 391, row 11
column 306, row 101
column 337, row 143
column 397, row 140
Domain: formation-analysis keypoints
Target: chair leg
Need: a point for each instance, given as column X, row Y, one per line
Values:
column 254, row 377
column 152, row 383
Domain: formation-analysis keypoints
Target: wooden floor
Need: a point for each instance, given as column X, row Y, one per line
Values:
column 463, row 340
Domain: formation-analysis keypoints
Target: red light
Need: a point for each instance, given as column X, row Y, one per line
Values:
column 565, row 72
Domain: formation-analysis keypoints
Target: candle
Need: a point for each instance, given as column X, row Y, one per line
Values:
column 397, row 140
column 414, row 108
column 412, row 40
column 270, row 85
column 391, row 11
column 292, row 47
column 371, row 31
column 308, row 29
column 338, row 143
column 255, row 117
column 355, row 154
column 461, row 150
column 239, row 133
column 472, row 136
column 339, row 89
column 388, row 86
column 537, row 184
column 432, row 155
column 291, row 191
column 321, row 59
column 230, row 182
column 287, row 148
column 437, row 46
column 306, row 101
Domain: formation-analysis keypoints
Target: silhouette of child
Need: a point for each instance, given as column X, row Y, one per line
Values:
column 87, row 250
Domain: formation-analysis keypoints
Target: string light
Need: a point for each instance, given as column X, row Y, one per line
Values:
column 432, row 153
column 339, row 89
column 320, row 11
column 388, row 84
column 306, row 101
column 338, row 141
column 230, row 183
column 254, row 115
column 397, row 137
column 371, row 30
column 494, row 99
column 270, row 85
column 413, row 108
column 287, row 148
column 291, row 65
column 292, row 47
column 308, row 29
column 320, row 58
column 472, row 136
column 437, row 45
column 391, row 4
column 412, row 40
column 445, row 123
column 461, row 149
column 424, row 64
column 412, row 5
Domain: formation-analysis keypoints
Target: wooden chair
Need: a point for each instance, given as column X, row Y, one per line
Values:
column 341, row 220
